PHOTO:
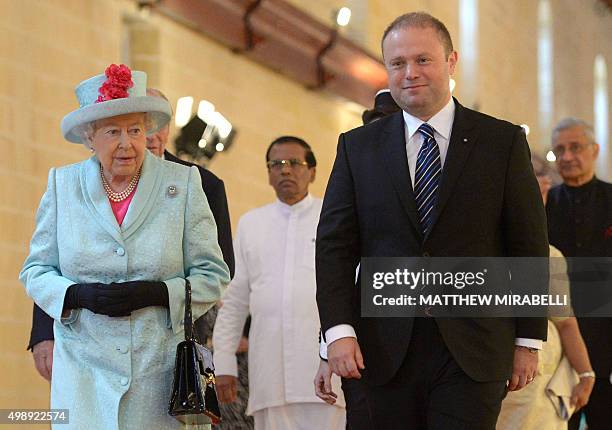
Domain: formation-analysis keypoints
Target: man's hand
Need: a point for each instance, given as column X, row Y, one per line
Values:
column 227, row 388
column 582, row 392
column 322, row 383
column 524, row 369
column 344, row 358
column 43, row 358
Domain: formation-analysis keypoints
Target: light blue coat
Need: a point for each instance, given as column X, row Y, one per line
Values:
column 116, row 373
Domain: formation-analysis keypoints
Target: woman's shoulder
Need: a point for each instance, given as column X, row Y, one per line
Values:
column 169, row 168
column 74, row 169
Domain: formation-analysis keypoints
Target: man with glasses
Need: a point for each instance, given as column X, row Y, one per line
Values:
column 275, row 282
column 580, row 225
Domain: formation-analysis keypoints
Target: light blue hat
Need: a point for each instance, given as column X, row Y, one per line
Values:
column 91, row 109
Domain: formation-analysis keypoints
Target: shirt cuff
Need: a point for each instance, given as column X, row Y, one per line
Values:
column 338, row 332
column 322, row 349
column 528, row 343
column 225, row 363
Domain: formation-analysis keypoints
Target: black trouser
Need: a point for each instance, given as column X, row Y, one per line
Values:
column 357, row 414
column 599, row 409
column 430, row 391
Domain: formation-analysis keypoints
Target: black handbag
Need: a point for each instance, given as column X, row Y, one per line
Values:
column 194, row 398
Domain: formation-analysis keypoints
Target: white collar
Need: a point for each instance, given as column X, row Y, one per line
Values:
column 441, row 122
column 297, row 207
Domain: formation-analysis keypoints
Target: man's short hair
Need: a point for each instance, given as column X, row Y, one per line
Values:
column 422, row 20
column 571, row 122
column 157, row 93
column 310, row 158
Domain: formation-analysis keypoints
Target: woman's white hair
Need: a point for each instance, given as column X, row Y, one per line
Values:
column 87, row 130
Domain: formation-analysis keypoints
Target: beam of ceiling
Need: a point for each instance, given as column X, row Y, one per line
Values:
column 286, row 39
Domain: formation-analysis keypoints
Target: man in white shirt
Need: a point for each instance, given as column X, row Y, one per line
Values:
column 275, row 282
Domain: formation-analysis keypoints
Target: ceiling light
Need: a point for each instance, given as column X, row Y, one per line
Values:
column 343, row 16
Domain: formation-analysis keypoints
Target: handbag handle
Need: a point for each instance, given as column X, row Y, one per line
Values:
column 188, row 321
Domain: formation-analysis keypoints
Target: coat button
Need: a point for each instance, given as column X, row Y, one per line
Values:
column 123, row 349
column 120, row 252
column 124, row 381
column 426, row 254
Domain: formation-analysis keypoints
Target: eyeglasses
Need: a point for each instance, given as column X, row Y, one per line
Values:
column 293, row 163
column 574, row 148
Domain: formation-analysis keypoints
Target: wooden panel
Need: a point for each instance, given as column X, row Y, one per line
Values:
column 287, row 40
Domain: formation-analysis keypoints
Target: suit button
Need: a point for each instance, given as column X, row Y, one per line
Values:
column 426, row 254
column 120, row 252
column 124, row 381
column 123, row 349
column 579, row 244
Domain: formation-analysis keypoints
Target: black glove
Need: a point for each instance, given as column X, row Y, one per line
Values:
column 141, row 294
column 117, row 299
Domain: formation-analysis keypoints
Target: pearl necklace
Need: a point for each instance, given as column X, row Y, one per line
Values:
column 119, row 197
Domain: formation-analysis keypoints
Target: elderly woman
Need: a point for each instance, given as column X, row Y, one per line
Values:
column 532, row 408
column 116, row 236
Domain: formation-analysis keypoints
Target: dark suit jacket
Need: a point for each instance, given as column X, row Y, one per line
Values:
column 488, row 205
column 580, row 225
column 42, row 324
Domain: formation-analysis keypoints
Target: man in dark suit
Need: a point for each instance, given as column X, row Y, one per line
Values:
column 580, row 225
column 41, row 336
column 435, row 179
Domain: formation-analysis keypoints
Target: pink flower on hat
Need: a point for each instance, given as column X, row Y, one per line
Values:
column 119, row 80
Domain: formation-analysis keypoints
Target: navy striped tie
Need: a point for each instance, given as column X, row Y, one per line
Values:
column 427, row 177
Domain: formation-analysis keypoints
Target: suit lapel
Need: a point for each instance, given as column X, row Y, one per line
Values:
column 144, row 197
column 96, row 199
column 462, row 140
column 393, row 148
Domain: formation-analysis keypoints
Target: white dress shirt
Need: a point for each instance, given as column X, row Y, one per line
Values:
column 275, row 281
column 442, row 124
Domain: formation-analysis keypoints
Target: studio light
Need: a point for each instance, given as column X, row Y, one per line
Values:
column 205, row 134
column 183, row 111
column 205, row 110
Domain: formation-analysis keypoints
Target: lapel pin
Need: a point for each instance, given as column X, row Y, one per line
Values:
column 172, row 191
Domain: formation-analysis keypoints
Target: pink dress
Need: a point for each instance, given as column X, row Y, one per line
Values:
column 121, row 208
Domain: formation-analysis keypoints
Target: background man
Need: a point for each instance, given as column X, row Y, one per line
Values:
column 41, row 336
column 580, row 225
column 436, row 179
column 275, row 281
